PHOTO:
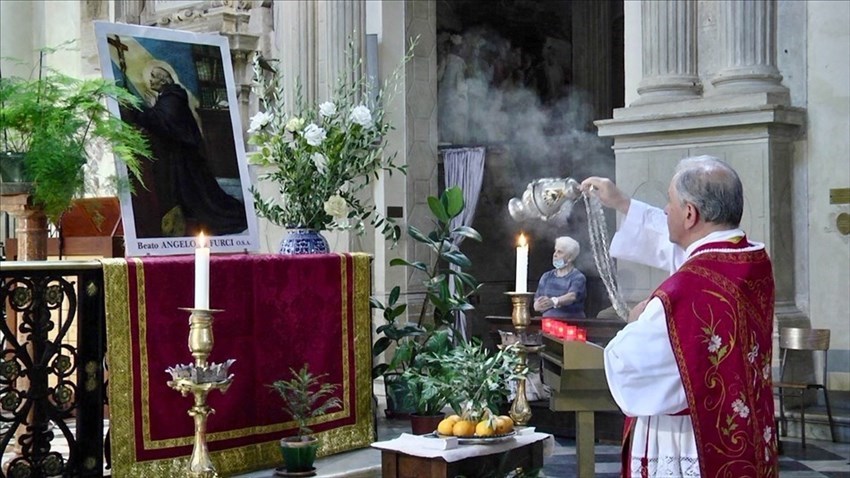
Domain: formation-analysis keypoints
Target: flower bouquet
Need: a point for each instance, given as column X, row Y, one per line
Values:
column 321, row 156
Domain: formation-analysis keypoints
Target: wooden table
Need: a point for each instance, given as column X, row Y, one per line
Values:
column 395, row 464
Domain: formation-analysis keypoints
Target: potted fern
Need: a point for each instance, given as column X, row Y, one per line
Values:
column 304, row 397
column 51, row 125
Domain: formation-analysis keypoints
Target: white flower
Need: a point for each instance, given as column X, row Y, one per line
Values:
column 765, row 371
column 362, row 116
column 740, row 408
column 327, row 109
column 314, row 134
column 295, row 124
column 258, row 121
column 714, row 344
column 768, row 433
column 336, row 206
column 319, row 160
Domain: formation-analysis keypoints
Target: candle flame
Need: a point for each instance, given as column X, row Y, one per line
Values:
column 521, row 242
column 202, row 240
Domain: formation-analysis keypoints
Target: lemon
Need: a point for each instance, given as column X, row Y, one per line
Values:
column 483, row 429
column 456, row 418
column 463, row 428
column 446, row 425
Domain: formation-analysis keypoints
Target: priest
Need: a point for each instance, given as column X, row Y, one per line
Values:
column 692, row 369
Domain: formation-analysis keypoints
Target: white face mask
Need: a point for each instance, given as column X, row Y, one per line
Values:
column 559, row 263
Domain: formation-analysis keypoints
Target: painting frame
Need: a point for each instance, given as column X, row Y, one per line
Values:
column 197, row 178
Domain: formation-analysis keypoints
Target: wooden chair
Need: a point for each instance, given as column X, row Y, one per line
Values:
column 791, row 338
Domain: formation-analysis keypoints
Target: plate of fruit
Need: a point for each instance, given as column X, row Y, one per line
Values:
column 470, row 432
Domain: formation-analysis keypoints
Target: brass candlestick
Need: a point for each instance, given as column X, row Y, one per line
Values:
column 520, row 411
column 199, row 379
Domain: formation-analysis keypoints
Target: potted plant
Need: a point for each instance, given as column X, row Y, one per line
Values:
column 434, row 334
column 50, row 124
column 424, row 381
column 321, row 157
column 304, row 397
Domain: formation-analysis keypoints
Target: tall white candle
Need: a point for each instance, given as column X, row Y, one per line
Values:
column 521, row 264
column 202, row 273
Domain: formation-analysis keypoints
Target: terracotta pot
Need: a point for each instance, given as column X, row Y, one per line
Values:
column 424, row 424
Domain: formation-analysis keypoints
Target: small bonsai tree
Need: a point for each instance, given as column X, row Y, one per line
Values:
column 305, row 396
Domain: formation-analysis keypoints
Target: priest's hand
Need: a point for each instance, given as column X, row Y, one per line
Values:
column 607, row 192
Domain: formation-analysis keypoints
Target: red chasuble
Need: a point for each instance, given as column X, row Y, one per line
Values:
column 719, row 308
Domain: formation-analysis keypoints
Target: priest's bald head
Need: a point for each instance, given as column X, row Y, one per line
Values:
column 705, row 195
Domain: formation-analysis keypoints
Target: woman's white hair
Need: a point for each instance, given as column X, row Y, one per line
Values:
column 570, row 245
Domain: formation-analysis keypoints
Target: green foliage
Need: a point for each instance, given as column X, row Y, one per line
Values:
column 305, row 396
column 435, row 335
column 419, row 346
column 426, row 376
column 320, row 157
column 54, row 119
column 475, row 380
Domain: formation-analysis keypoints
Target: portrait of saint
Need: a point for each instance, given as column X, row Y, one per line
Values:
column 194, row 181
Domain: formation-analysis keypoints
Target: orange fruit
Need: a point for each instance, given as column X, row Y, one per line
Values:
column 463, row 428
column 456, row 418
column 483, row 429
column 446, row 425
column 504, row 424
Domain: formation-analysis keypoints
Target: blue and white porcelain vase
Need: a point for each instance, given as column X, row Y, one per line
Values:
column 303, row 241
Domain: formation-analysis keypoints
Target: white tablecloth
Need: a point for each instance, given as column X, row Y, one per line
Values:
column 433, row 447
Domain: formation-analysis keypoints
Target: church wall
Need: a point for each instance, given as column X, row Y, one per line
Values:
column 16, row 36
column 827, row 150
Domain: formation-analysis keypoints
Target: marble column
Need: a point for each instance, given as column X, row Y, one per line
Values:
column 341, row 23
column 669, row 36
column 748, row 37
column 591, row 54
column 295, row 37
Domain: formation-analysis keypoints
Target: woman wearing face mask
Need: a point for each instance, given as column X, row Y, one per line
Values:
column 561, row 292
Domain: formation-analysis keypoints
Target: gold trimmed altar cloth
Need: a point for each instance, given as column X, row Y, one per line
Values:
column 278, row 312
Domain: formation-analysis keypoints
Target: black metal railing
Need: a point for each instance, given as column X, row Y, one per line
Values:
column 46, row 381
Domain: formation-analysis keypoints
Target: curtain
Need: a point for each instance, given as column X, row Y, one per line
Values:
column 464, row 167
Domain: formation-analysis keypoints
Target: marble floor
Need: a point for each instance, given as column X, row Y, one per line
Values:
column 820, row 459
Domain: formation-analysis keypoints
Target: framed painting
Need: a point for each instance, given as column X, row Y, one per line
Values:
column 196, row 180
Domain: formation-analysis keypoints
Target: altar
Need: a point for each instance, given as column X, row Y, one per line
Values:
column 276, row 313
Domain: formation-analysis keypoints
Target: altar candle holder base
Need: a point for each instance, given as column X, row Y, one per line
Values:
column 199, row 379
column 520, row 411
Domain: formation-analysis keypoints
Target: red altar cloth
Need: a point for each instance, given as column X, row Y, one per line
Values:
column 278, row 312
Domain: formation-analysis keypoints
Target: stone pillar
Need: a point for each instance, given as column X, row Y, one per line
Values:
column 591, row 54
column 340, row 22
column 295, row 38
column 31, row 230
column 669, row 36
column 748, row 48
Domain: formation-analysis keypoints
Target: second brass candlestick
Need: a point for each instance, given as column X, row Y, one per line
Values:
column 520, row 411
